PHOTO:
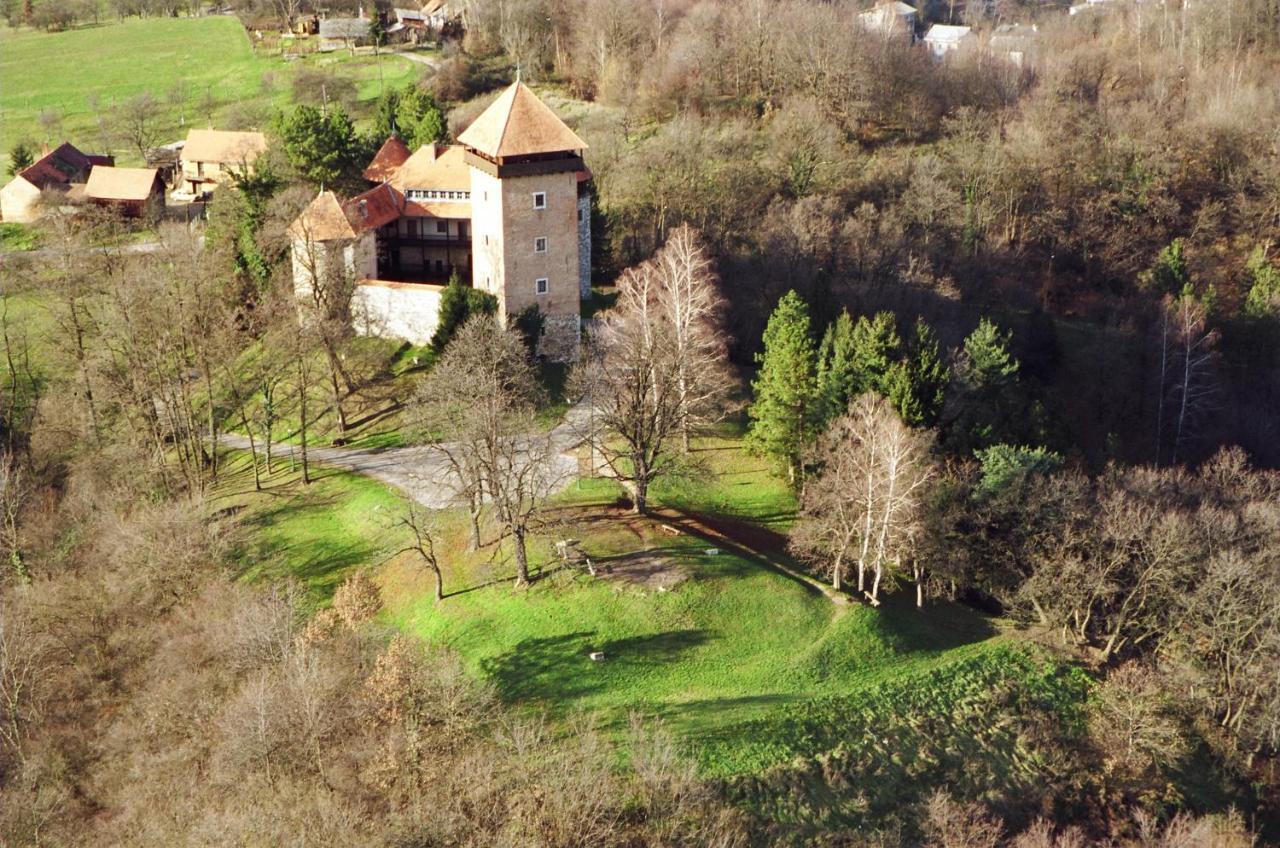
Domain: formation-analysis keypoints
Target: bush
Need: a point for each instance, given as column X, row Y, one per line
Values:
column 457, row 304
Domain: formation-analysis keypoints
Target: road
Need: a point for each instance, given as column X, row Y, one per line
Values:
column 421, row 472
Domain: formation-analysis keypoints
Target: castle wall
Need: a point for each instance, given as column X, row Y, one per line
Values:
column 584, row 244
column 406, row 311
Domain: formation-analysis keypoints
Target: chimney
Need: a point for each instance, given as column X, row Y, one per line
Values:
column 364, row 209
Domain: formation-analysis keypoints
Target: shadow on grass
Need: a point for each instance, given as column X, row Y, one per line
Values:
column 560, row 668
column 939, row 626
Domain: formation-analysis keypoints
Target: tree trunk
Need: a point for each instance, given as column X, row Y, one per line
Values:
column 836, row 573
column 474, row 507
column 522, row 558
column 302, row 429
column 439, row 583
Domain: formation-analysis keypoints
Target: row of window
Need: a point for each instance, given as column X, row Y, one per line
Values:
column 436, row 194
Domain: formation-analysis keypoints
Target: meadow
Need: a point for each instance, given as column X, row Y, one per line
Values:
column 712, row 637
column 203, row 71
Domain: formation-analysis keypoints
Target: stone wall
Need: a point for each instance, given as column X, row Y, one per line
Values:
column 405, row 311
column 560, row 337
column 584, row 245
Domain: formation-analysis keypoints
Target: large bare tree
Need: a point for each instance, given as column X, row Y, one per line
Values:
column 656, row 370
column 478, row 402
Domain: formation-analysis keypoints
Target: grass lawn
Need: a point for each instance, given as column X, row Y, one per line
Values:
column 180, row 61
column 734, row 643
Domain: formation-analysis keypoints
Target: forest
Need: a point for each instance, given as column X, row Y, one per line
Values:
column 980, row 361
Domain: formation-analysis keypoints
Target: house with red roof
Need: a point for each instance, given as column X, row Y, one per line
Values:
column 56, row 170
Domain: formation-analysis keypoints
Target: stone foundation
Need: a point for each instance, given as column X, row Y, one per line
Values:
column 560, row 337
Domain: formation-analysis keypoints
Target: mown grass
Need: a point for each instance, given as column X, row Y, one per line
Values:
column 180, row 61
column 737, row 643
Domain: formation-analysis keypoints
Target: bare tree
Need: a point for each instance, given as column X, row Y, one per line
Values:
column 422, row 526
column 1186, row 369
column 23, row 651
column 326, row 287
column 689, row 300
column 657, row 369
column 137, row 122
column 867, row 503
column 14, row 491
column 479, row 401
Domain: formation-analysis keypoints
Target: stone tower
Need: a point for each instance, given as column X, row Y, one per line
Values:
column 527, row 207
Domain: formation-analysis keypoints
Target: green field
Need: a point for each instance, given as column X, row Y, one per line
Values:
column 182, row 62
column 735, row 647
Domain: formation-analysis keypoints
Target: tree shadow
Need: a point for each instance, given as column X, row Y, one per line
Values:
column 559, row 668
column 939, row 626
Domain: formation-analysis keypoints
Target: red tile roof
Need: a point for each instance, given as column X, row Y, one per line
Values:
column 375, row 208
column 390, row 156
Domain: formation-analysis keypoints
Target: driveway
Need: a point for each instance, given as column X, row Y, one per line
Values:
column 420, row 471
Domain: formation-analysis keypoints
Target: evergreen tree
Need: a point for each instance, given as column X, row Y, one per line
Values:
column 1169, row 274
column 457, row 304
column 854, row 359
column 988, row 406
column 786, row 407
column 418, row 118
column 322, row 146
column 875, row 346
column 1263, row 300
column 917, row 385
column 20, row 157
column 837, row 376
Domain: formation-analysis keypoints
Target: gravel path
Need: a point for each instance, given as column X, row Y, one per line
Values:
column 421, row 472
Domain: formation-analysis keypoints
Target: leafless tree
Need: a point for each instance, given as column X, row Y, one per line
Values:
column 689, row 300
column 479, row 401
column 1187, row 362
column 14, row 491
column 657, row 368
column 422, row 526
column 23, row 653
column 867, row 502
column 325, row 289
column 138, row 122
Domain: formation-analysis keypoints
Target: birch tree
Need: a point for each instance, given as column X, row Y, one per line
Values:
column 689, row 300
column 1188, row 357
column 866, row 504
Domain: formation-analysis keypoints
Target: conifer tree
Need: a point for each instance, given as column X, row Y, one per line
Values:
column 916, row 386
column 988, row 405
column 786, row 406
column 837, row 375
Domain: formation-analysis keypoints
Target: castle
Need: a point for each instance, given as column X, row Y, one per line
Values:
column 506, row 209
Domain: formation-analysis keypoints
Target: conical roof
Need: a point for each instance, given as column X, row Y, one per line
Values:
column 519, row 124
column 323, row 220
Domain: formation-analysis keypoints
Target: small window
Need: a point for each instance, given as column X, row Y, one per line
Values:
column 540, row 244
column 540, row 285
column 442, row 226
column 579, row 214
column 539, row 200
column 486, row 239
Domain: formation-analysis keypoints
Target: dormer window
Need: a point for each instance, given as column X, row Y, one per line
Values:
column 539, row 200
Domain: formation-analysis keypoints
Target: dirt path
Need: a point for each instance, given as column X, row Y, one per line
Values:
column 419, row 471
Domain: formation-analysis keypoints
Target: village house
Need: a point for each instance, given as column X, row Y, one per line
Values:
column 130, row 191
column 343, row 33
column 57, row 170
column 1015, row 42
column 943, row 39
column 210, row 157
column 890, row 18
column 505, row 210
